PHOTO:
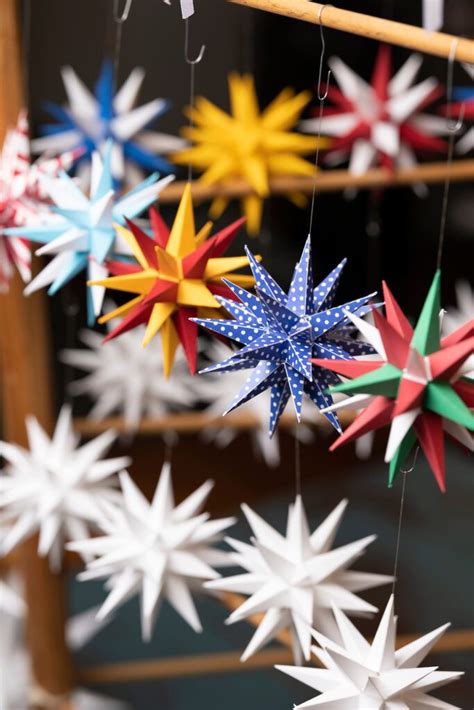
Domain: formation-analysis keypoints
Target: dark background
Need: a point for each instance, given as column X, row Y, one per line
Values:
column 436, row 557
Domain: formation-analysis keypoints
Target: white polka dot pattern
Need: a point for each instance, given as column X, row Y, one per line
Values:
column 280, row 333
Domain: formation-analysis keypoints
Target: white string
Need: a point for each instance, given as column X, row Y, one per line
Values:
column 192, row 81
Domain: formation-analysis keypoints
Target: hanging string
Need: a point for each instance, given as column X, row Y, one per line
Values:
column 192, row 80
column 453, row 129
column 297, row 466
column 404, row 473
column 322, row 98
column 119, row 19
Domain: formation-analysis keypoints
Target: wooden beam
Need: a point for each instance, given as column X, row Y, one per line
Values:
column 381, row 30
column 191, row 422
column 330, row 181
column 182, row 666
column 25, row 369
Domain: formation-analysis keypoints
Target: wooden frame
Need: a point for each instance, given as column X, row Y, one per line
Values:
column 27, row 382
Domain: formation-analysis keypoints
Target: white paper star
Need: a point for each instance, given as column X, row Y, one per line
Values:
column 295, row 578
column 217, row 391
column 56, row 487
column 157, row 549
column 126, row 378
column 357, row 675
column 458, row 316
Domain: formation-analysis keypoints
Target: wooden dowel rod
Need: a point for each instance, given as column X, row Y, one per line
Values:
column 182, row 666
column 330, row 181
column 190, row 422
column 409, row 36
column 229, row 661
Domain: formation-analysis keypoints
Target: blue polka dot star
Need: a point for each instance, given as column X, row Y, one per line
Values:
column 281, row 332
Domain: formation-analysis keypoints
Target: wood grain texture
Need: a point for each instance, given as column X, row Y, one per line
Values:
column 26, row 388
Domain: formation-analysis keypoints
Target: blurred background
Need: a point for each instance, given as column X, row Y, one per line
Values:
column 390, row 235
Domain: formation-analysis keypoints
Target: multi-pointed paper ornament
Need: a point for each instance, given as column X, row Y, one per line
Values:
column 89, row 121
column 187, row 7
column 248, row 144
column 143, row 392
column 280, row 333
column 418, row 387
column 179, row 274
column 358, row 675
column 23, row 201
column 158, row 549
column 294, row 579
column 381, row 123
column 216, row 391
column 456, row 317
column 86, row 236
column 56, row 487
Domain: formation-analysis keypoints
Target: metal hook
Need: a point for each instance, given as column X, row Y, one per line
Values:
column 186, row 46
column 126, row 11
column 412, row 467
column 453, row 127
column 322, row 97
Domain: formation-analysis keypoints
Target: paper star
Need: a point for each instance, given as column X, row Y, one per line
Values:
column 215, row 391
column 381, row 123
column 187, row 7
column 87, row 235
column 248, row 144
column 358, row 675
column 56, row 486
column 295, row 578
column 92, row 120
column 178, row 275
column 124, row 378
column 418, row 387
column 158, row 549
column 457, row 317
column 22, row 199
column 280, row 333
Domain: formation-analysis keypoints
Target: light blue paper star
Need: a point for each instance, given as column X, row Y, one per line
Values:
column 89, row 120
column 81, row 231
column 280, row 332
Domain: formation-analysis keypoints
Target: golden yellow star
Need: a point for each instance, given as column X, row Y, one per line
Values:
column 248, row 144
column 178, row 276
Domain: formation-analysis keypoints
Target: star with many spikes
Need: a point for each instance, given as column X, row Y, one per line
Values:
column 358, row 675
column 85, row 236
column 380, row 123
column 144, row 392
column 248, row 144
column 56, row 487
column 280, row 333
column 158, row 549
column 22, row 199
column 89, row 121
column 178, row 275
column 294, row 579
column 418, row 387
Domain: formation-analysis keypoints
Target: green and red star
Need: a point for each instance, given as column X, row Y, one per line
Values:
column 419, row 386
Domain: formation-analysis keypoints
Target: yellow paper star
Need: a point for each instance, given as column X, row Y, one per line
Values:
column 178, row 276
column 248, row 144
